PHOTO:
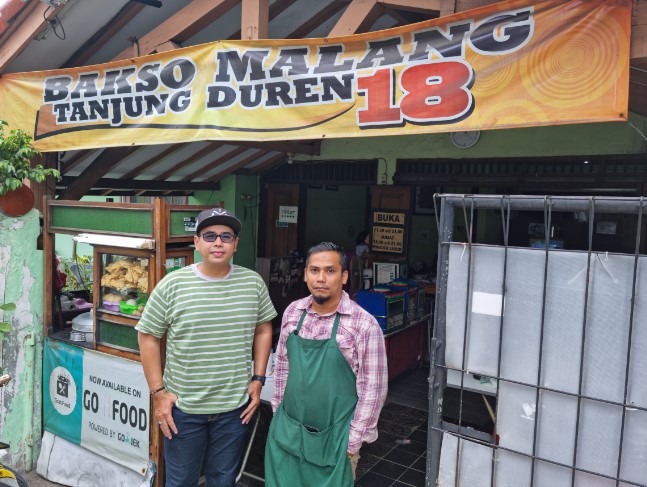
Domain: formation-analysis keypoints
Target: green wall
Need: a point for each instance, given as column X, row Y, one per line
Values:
column 64, row 244
column 21, row 282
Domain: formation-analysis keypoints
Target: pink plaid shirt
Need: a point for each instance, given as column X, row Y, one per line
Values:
column 361, row 342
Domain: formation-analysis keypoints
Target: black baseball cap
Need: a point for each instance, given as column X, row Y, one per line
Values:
column 218, row 216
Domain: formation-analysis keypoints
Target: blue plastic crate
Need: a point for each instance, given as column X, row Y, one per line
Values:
column 388, row 308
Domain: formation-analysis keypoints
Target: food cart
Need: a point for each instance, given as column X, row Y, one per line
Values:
column 95, row 400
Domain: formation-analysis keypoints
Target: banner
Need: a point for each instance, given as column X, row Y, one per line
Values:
column 517, row 63
column 97, row 401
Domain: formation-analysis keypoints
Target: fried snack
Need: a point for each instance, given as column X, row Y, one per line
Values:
column 124, row 274
column 114, row 298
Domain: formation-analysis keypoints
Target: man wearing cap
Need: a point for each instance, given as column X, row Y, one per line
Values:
column 214, row 314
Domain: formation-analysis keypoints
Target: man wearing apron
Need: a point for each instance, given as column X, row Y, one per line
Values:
column 330, row 381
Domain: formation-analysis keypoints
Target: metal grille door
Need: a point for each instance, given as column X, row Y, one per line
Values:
column 554, row 344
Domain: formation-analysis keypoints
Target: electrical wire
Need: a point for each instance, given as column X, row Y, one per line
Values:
column 53, row 22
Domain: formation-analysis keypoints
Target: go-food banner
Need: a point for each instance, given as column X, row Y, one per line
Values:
column 509, row 64
column 97, row 401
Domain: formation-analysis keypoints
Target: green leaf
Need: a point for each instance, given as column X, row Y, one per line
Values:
column 8, row 306
column 5, row 327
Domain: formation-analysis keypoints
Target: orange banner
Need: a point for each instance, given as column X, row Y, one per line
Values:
column 512, row 64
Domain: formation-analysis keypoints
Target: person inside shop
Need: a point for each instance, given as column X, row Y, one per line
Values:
column 362, row 242
column 214, row 314
column 330, row 381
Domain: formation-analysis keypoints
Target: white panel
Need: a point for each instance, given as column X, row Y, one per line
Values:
column 456, row 302
column 483, row 329
column 516, row 417
column 607, row 327
column 637, row 394
column 483, row 335
column 550, row 475
column 475, row 465
column 634, row 449
column 563, row 320
column 557, row 419
column 588, row 480
column 512, row 469
column 599, row 439
column 522, row 321
column 447, row 469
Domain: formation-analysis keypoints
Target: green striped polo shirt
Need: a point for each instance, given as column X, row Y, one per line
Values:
column 210, row 327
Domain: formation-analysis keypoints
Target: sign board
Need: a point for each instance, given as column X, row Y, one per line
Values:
column 519, row 63
column 388, row 231
column 97, row 401
column 190, row 224
column 288, row 214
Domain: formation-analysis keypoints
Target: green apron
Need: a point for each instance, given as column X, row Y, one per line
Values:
column 308, row 437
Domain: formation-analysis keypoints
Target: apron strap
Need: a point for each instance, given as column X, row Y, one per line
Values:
column 334, row 326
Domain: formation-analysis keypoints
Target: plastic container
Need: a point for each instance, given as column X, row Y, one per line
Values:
column 111, row 306
column 129, row 308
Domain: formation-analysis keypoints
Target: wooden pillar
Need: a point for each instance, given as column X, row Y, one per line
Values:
column 47, row 187
column 254, row 21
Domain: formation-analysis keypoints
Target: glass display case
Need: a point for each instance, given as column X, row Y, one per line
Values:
column 124, row 278
column 125, row 281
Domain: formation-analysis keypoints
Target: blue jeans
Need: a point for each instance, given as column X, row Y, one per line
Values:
column 217, row 440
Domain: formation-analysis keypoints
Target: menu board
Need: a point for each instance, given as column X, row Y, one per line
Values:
column 388, row 231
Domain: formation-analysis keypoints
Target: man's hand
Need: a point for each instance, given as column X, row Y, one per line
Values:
column 162, row 405
column 254, row 391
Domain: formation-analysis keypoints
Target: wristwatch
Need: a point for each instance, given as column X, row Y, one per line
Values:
column 260, row 378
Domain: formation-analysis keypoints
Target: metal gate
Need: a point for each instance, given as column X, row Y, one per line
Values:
column 551, row 342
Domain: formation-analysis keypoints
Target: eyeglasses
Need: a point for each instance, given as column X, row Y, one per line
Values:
column 213, row 236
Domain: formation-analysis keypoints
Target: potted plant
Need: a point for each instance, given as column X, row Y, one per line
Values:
column 16, row 155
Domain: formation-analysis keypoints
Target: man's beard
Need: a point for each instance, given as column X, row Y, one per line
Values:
column 320, row 299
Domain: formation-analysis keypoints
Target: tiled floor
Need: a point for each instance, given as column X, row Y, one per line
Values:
column 398, row 457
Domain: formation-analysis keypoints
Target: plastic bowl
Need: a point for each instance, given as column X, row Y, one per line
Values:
column 111, row 306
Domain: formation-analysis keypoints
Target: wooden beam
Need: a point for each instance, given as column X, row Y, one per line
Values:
column 447, row 7
column 239, row 165
column 108, row 159
column 74, row 161
column 187, row 22
column 168, row 46
column 147, row 185
column 30, row 22
column 189, row 160
column 271, row 162
column 639, row 35
column 104, row 35
column 255, row 19
column 275, row 10
column 462, row 5
column 296, row 147
column 431, row 7
column 638, row 91
column 355, row 18
column 317, row 19
column 213, row 164
column 153, row 160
